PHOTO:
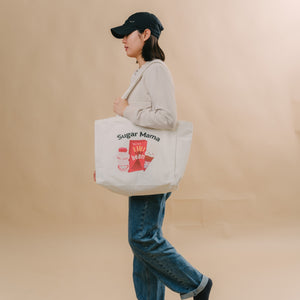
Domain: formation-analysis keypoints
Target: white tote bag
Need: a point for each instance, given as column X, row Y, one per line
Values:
column 133, row 160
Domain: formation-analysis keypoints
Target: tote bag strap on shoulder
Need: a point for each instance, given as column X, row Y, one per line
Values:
column 136, row 81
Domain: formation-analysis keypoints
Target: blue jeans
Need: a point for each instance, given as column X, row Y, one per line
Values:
column 156, row 263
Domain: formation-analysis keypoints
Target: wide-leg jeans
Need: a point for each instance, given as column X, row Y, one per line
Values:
column 156, row 263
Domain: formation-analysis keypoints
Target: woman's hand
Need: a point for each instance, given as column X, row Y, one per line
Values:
column 120, row 105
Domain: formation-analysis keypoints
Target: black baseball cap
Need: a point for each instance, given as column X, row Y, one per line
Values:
column 139, row 21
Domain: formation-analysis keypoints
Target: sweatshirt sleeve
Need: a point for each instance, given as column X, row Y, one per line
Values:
column 161, row 114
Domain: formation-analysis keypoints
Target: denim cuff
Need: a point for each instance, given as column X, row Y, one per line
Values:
column 199, row 289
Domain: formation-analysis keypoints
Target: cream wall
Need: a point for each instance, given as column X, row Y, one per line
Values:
column 236, row 70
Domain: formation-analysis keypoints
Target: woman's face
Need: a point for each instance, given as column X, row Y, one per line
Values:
column 133, row 44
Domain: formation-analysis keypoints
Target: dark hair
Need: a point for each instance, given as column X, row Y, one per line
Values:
column 151, row 49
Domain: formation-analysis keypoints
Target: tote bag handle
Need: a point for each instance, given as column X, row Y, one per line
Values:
column 139, row 77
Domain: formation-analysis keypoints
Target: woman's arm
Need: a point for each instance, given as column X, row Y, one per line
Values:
column 161, row 112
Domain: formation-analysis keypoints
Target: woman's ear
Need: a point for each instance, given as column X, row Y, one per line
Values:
column 147, row 34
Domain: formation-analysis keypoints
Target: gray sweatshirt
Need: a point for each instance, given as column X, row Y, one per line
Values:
column 152, row 102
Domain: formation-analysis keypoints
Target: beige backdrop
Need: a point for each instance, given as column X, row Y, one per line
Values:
column 236, row 214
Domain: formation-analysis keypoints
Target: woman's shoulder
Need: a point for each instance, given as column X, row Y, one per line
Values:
column 147, row 66
column 156, row 63
column 157, row 66
column 157, row 73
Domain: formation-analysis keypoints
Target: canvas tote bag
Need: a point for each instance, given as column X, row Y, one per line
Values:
column 133, row 160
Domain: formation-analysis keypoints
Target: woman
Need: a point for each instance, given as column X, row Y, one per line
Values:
column 152, row 104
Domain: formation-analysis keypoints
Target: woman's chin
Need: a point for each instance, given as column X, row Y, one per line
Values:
column 130, row 54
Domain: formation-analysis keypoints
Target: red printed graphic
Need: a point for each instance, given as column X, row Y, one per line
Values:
column 137, row 158
column 137, row 150
column 148, row 158
column 123, row 159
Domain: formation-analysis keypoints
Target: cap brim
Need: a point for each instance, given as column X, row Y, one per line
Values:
column 121, row 31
